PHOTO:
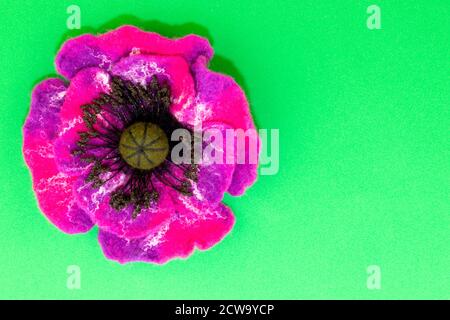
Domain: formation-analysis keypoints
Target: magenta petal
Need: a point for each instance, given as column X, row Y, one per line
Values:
column 193, row 224
column 103, row 50
column 87, row 85
column 96, row 203
column 220, row 99
column 53, row 188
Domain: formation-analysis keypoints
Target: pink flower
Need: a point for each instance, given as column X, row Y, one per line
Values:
column 99, row 147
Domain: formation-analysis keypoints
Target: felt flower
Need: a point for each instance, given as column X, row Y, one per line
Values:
column 99, row 144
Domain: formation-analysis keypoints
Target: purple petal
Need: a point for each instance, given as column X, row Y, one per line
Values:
column 53, row 188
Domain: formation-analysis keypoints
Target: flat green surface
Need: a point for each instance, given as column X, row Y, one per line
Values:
column 364, row 162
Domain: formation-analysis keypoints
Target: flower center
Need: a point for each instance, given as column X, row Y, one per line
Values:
column 143, row 145
column 127, row 133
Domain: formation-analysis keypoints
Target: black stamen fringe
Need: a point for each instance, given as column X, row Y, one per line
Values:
column 106, row 118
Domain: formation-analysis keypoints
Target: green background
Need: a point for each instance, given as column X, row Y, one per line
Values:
column 364, row 152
